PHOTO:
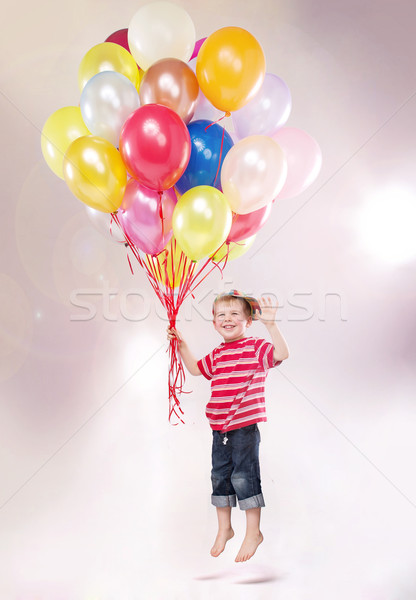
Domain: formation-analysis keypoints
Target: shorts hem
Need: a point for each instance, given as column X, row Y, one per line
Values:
column 256, row 501
column 222, row 501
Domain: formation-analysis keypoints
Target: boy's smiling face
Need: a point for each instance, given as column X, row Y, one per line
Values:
column 231, row 319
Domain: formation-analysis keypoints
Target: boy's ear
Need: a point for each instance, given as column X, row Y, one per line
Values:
column 249, row 321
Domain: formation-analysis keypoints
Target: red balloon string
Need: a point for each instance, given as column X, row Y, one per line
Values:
column 131, row 268
column 161, row 211
column 226, row 114
column 173, row 277
column 219, row 160
column 111, row 224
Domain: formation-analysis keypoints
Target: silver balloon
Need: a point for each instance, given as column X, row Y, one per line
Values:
column 106, row 101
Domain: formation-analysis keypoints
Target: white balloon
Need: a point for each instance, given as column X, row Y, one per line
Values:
column 161, row 30
column 106, row 101
column 105, row 224
column 253, row 173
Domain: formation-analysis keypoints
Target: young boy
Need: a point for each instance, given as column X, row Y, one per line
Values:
column 237, row 370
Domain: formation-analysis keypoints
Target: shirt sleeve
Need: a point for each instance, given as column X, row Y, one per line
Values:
column 206, row 365
column 265, row 351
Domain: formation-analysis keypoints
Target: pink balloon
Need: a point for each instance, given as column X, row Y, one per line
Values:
column 155, row 146
column 146, row 217
column 267, row 111
column 197, row 47
column 304, row 160
column 244, row 226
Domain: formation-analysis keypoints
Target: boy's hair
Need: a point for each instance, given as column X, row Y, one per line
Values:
column 227, row 299
column 251, row 305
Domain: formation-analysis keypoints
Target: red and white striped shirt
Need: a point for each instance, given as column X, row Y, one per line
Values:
column 237, row 371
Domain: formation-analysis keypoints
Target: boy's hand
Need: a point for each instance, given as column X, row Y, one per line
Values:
column 268, row 310
column 186, row 355
column 173, row 334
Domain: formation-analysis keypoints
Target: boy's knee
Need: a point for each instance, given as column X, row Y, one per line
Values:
column 246, row 486
column 240, row 484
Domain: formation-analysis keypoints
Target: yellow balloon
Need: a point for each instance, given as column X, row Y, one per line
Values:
column 233, row 249
column 172, row 265
column 230, row 68
column 95, row 173
column 140, row 76
column 63, row 127
column 201, row 221
column 107, row 57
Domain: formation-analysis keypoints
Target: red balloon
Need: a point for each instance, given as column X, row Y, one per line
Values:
column 248, row 224
column 155, row 146
column 119, row 37
column 146, row 216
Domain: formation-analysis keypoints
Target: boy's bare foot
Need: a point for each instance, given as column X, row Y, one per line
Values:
column 249, row 546
column 222, row 538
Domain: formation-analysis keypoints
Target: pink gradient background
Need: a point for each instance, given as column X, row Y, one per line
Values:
column 101, row 498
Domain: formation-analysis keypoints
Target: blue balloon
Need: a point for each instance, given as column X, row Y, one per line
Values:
column 206, row 140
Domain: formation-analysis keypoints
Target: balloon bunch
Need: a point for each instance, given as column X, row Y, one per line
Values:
column 145, row 150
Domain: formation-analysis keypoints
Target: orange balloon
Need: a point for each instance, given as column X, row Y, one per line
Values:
column 230, row 68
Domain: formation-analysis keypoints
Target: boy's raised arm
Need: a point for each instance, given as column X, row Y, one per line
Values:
column 188, row 358
column 268, row 316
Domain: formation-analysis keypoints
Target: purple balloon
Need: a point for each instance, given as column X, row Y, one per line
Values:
column 267, row 111
column 146, row 216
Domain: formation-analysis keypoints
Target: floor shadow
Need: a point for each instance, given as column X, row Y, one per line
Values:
column 212, row 576
column 250, row 576
column 254, row 580
column 258, row 575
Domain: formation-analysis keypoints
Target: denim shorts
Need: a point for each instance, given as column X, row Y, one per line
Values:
column 235, row 468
